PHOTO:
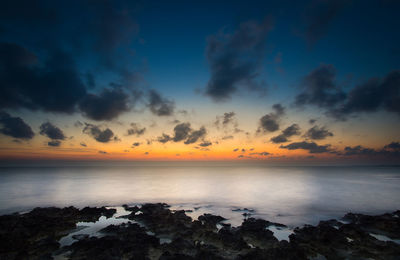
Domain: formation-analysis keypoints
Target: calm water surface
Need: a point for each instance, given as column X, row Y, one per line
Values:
column 289, row 195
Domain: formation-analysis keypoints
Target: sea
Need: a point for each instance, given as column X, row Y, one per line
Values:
column 291, row 195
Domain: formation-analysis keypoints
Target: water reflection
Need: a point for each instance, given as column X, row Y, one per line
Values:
column 290, row 195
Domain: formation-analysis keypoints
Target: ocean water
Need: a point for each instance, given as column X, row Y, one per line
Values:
column 292, row 195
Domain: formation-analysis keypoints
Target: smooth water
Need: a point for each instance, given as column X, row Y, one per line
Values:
column 289, row 195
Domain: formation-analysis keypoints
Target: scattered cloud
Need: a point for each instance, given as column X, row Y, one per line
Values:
column 136, row 130
column 235, row 60
column 205, row 144
column 319, row 17
column 320, row 88
column 15, row 127
column 270, row 122
column 136, row 144
column 102, row 136
column 318, row 133
column 311, row 147
column 52, row 131
column 107, row 105
column 159, row 105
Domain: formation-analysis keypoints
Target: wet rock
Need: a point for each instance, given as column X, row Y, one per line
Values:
column 255, row 232
column 89, row 214
column 133, row 209
column 210, row 220
column 387, row 224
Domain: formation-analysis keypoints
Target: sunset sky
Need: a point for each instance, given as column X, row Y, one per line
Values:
column 277, row 81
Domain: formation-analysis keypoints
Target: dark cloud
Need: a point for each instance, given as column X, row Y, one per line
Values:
column 317, row 133
column 136, row 130
column 279, row 139
column 371, row 96
column 205, row 144
column 312, row 121
column 83, row 144
column 319, row 16
column 103, row 136
column 14, row 127
column 270, row 122
column 393, row 146
column 389, row 151
column 136, row 144
column 159, row 105
column 227, row 137
column 196, row 135
column 53, row 85
column 107, row 105
column 310, row 146
column 261, row 153
column 227, row 118
column 181, row 132
column 54, row 143
column 235, row 59
column 101, row 29
column 103, row 152
column 52, row 131
column 184, row 132
column 164, row 138
column 294, row 129
column 236, row 149
column 359, row 150
column 320, row 88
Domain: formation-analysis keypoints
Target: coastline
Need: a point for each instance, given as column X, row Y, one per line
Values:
column 155, row 231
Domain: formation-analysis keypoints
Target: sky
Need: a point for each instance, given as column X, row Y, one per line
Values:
column 276, row 81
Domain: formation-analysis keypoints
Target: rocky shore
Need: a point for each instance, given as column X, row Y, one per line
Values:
column 142, row 235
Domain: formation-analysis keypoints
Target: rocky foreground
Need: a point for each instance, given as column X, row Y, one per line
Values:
column 35, row 235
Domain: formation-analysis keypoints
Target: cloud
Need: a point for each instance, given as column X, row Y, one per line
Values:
column 236, row 149
column 270, row 122
column 279, row 139
column 102, row 136
column 136, row 130
column 228, row 117
column 107, row 105
column 54, row 143
column 317, row 133
column 181, row 132
column 235, row 59
column 205, row 144
column 320, row 88
column 227, row 137
column 319, row 16
column 136, row 144
column 83, row 144
column 196, row 135
column 371, row 96
column 103, row 29
column 184, row 132
column 359, row 150
column 389, row 151
column 310, row 146
column 103, row 152
column 261, row 153
column 159, row 105
column 52, row 131
column 294, row 129
column 52, row 85
column 15, row 127
column 393, row 146
column 164, row 138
